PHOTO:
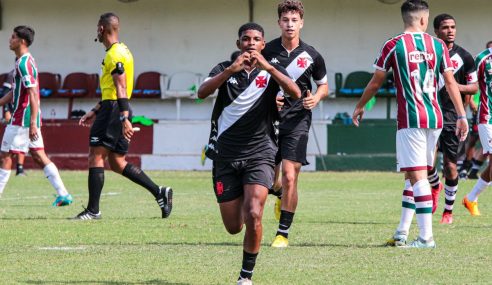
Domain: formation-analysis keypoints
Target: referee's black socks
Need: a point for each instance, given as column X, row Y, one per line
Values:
column 137, row 175
column 96, row 183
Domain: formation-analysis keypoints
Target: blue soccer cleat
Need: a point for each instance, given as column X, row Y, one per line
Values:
column 61, row 201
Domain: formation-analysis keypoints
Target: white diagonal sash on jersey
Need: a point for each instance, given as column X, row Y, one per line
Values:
column 456, row 58
column 242, row 104
column 294, row 70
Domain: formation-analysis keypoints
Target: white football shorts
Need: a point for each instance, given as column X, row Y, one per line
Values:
column 416, row 148
column 16, row 140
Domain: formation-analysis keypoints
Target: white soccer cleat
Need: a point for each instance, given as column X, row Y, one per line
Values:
column 244, row 281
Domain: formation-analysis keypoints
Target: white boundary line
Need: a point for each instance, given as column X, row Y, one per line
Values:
column 50, row 197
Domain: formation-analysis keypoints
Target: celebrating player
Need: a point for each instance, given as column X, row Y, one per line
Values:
column 417, row 60
column 302, row 62
column 112, row 130
column 450, row 145
column 242, row 140
column 23, row 132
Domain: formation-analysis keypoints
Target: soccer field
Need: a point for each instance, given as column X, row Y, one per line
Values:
column 341, row 223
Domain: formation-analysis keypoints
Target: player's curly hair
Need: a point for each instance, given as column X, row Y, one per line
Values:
column 26, row 33
column 290, row 6
column 250, row 26
column 440, row 18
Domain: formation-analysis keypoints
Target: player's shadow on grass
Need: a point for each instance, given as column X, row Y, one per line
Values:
column 27, row 218
column 336, row 245
column 349, row 222
column 265, row 244
column 149, row 282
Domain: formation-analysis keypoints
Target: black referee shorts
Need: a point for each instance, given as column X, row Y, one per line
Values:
column 107, row 129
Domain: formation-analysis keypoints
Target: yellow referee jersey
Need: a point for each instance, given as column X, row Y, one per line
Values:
column 118, row 52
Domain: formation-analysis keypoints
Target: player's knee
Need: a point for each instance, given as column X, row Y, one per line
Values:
column 253, row 217
column 289, row 178
column 96, row 160
column 38, row 157
column 234, row 228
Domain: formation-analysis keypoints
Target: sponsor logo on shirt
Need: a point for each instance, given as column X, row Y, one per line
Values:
column 420, row 56
column 274, row 60
column 232, row 80
column 94, row 139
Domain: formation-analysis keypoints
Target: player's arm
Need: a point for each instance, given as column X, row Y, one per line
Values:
column 473, row 106
column 455, row 96
column 468, row 89
column 319, row 76
column 89, row 116
column 285, row 82
column 34, row 103
column 209, row 86
column 371, row 89
column 471, row 86
column 119, row 79
column 312, row 101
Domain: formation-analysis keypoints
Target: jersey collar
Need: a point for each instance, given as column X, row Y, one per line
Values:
column 112, row 45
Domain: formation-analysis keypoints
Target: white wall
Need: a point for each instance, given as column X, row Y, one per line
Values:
column 173, row 35
column 349, row 33
column 166, row 36
column 178, row 145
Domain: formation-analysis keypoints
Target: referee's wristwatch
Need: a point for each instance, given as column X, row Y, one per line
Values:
column 123, row 118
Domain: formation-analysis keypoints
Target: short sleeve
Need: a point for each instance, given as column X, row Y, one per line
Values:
column 446, row 64
column 470, row 69
column 216, row 70
column 319, row 71
column 384, row 59
column 115, row 59
column 26, row 70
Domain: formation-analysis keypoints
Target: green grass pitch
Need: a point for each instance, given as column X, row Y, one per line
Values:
column 341, row 223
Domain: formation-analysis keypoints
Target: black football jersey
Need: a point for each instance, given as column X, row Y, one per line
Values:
column 244, row 116
column 302, row 64
column 464, row 73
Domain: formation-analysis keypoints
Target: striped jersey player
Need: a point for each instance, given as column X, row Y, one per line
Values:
column 23, row 133
column 483, row 62
column 25, row 77
column 417, row 60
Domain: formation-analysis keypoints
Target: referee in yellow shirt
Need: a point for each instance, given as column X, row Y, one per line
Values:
column 112, row 130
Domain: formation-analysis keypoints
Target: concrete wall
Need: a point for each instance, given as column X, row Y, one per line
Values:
column 175, row 35
column 178, row 145
column 349, row 33
column 166, row 36
column 193, row 35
